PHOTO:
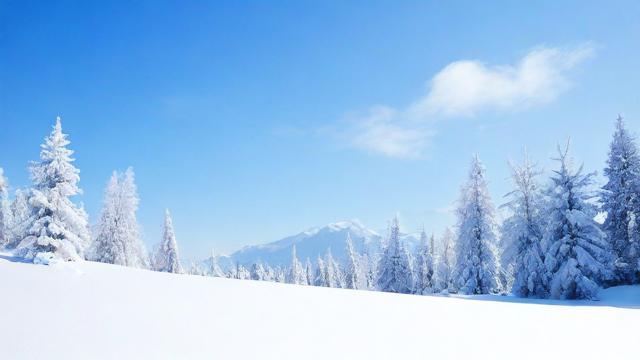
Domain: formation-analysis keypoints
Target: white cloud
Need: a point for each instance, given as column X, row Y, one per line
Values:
column 463, row 89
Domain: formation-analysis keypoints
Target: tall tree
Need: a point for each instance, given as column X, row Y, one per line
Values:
column 522, row 233
column 5, row 212
column 446, row 261
column 296, row 272
column 578, row 255
column 309, row 277
column 58, row 227
column 352, row 273
column 166, row 258
column 333, row 272
column 476, row 270
column 394, row 268
column 117, row 239
column 621, row 201
column 424, row 266
column 321, row 274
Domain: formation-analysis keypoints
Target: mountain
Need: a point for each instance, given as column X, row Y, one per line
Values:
column 312, row 243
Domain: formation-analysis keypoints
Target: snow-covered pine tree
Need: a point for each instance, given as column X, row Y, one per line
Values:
column 352, row 268
column 522, row 233
column 58, row 227
column 394, row 268
column 445, row 262
column 117, row 239
column 214, row 268
column 5, row 212
column 371, row 271
column 308, row 273
column 280, row 275
column 333, row 272
column 578, row 256
column 321, row 274
column 257, row 272
column 20, row 216
column 476, row 270
column 621, row 202
column 425, row 278
column 166, row 258
column 296, row 272
column 241, row 272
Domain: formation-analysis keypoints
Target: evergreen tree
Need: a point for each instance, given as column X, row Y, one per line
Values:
column 578, row 256
column 20, row 216
column 57, row 227
column 425, row 280
column 279, row 275
column 394, row 268
column 333, row 272
column 321, row 274
column 621, row 201
column 352, row 268
column 214, row 268
column 241, row 272
column 117, row 240
column 446, row 262
column 5, row 212
column 476, row 270
column 296, row 272
column 309, row 273
column 166, row 258
column 258, row 272
column 522, row 233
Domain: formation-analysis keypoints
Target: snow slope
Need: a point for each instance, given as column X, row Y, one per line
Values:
column 98, row 311
column 311, row 243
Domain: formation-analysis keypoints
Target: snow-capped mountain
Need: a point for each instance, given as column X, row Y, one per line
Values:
column 312, row 243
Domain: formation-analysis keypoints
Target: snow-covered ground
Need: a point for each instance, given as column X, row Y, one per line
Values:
column 91, row 311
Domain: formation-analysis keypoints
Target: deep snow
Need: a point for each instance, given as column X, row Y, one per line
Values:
column 92, row 310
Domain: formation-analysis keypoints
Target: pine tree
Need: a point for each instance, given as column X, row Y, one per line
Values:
column 352, row 268
column 394, row 268
column 117, row 240
column 279, row 275
column 5, row 212
column 257, row 272
column 241, row 272
column 446, row 263
column 578, row 256
column 296, row 272
column 424, row 266
column 333, row 272
column 309, row 273
column 321, row 274
column 621, row 201
column 522, row 233
column 58, row 228
column 166, row 258
column 20, row 216
column 214, row 268
column 476, row 270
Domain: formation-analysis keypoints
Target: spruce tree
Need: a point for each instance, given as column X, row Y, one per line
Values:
column 5, row 212
column 621, row 202
column 424, row 266
column 257, row 272
column 214, row 269
column 321, row 274
column 20, row 216
column 476, row 270
column 166, row 258
column 58, row 228
column 578, row 256
column 394, row 268
column 445, row 262
column 522, row 233
column 352, row 267
column 309, row 277
column 296, row 272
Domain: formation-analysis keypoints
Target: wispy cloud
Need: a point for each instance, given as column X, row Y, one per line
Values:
column 463, row 89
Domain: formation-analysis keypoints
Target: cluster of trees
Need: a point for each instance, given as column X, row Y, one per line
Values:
column 550, row 245
column 43, row 224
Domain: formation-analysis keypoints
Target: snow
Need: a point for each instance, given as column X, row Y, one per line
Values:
column 79, row 310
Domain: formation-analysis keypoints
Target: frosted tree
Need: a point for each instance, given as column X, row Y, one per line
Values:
column 308, row 273
column 214, row 268
column 352, row 273
column 241, row 272
column 296, row 272
column 333, row 272
column 57, row 227
column 522, row 233
column 196, row 269
column 20, row 216
column 476, row 270
column 166, row 258
column 258, row 272
column 394, row 267
column 425, row 279
column 321, row 274
column 5, row 212
column 578, row 255
column 621, row 201
column 445, row 262
column 371, row 272
column 117, row 238
column 279, row 275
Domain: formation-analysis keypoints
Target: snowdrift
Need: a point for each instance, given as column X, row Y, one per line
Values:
column 96, row 311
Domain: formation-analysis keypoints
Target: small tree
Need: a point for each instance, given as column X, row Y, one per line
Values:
column 309, row 277
column 296, row 272
column 394, row 269
column 20, row 217
column 166, row 259
column 578, row 256
column 257, row 272
column 352, row 267
column 214, row 268
column 446, row 262
column 5, row 212
column 425, row 280
column 321, row 274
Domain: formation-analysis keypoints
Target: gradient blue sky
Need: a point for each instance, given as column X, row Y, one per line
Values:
column 254, row 120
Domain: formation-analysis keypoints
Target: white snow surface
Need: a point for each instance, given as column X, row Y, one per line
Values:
column 82, row 310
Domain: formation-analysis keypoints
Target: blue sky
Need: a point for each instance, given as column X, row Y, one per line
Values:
column 255, row 120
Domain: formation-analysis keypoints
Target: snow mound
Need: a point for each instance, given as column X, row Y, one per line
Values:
column 92, row 310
